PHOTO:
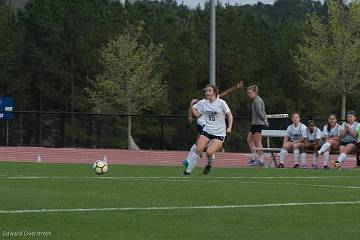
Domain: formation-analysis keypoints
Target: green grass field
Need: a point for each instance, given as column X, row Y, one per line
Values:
column 131, row 190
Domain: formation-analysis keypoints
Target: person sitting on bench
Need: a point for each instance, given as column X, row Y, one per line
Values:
column 312, row 143
column 294, row 140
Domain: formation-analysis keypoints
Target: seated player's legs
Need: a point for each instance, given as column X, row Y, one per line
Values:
column 314, row 148
column 297, row 149
column 287, row 146
column 344, row 150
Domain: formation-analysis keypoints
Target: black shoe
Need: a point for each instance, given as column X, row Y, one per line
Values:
column 296, row 165
column 186, row 173
column 207, row 169
column 281, row 165
column 326, row 167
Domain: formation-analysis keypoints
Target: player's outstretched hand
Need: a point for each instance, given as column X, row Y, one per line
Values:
column 228, row 130
column 240, row 84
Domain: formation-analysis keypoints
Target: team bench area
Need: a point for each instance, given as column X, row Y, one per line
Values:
column 268, row 134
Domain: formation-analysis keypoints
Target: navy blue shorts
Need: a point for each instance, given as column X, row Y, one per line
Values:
column 200, row 128
column 257, row 128
column 209, row 136
column 346, row 143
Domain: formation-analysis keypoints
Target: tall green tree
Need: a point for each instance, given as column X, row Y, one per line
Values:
column 329, row 58
column 131, row 81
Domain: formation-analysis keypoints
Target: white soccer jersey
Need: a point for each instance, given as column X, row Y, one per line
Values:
column 334, row 132
column 315, row 135
column 348, row 137
column 296, row 133
column 214, row 114
column 201, row 120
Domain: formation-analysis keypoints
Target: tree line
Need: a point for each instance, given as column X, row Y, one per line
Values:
column 52, row 55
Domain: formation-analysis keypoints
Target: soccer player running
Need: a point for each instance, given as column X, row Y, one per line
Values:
column 312, row 143
column 348, row 138
column 294, row 140
column 214, row 131
column 201, row 120
column 258, row 123
column 331, row 133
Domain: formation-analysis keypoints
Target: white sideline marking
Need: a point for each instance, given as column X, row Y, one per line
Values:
column 176, row 207
column 156, row 177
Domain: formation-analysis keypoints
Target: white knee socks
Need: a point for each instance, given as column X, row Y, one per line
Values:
column 192, row 150
column 324, row 148
column 326, row 157
column 192, row 162
column 296, row 155
column 303, row 159
column 315, row 159
column 342, row 157
column 283, row 154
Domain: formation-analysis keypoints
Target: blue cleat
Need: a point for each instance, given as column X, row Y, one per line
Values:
column 185, row 163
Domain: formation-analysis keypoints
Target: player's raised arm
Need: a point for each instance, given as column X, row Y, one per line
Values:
column 228, row 91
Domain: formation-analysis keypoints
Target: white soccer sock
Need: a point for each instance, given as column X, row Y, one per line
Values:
column 261, row 156
column 324, row 147
column 192, row 162
column 283, row 154
column 315, row 159
column 296, row 155
column 326, row 157
column 192, row 150
column 253, row 155
column 211, row 159
column 342, row 157
column 303, row 159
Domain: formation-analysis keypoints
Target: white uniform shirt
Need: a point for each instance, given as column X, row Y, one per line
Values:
column 347, row 138
column 334, row 132
column 296, row 133
column 315, row 135
column 214, row 114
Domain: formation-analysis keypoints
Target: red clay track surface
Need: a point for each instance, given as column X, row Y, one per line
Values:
column 118, row 156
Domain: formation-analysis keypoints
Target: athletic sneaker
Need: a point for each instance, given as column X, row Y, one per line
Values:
column 337, row 164
column 281, row 165
column 296, row 165
column 185, row 163
column 303, row 167
column 257, row 163
column 186, row 173
column 207, row 169
column 314, row 166
column 326, row 167
column 251, row 161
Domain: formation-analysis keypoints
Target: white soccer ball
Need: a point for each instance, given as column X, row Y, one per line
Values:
column 100, row 167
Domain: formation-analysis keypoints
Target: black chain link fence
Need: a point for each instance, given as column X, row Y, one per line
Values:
column 89, row 130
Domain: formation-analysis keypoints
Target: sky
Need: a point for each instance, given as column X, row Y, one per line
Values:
column 194, row 3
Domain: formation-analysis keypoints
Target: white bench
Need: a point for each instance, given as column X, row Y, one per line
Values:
column 271, row 134
column 280, row 134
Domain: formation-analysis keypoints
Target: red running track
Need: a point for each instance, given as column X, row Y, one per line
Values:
column 118, row 156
